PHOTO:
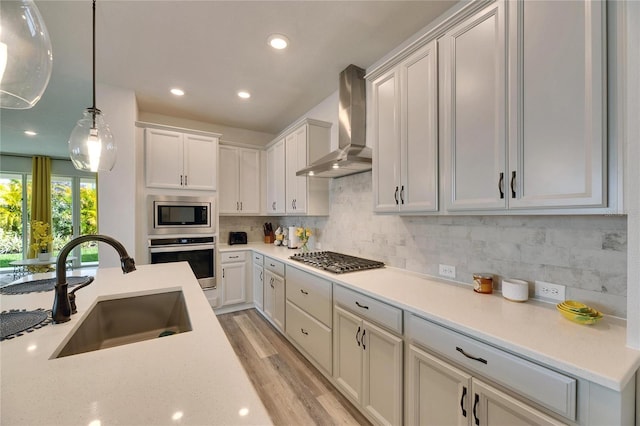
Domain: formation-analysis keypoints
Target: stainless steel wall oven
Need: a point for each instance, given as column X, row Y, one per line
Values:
column 198, row 251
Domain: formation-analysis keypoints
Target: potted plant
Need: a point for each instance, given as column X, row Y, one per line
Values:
column 41, row 239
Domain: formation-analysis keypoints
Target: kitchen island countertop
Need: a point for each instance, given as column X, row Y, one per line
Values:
column 534, row 329
column 190, row 378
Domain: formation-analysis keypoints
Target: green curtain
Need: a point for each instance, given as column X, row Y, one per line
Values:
column 40, row 196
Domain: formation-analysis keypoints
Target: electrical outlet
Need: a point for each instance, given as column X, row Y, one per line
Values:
column 447, row 271
column 550, row 291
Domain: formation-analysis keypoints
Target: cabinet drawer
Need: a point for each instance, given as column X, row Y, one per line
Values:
column 274, row 266
column 539, row 384
column 312, row 294
column 232, row 256
column 258, row 258
column 313, row 336
column 369, row 308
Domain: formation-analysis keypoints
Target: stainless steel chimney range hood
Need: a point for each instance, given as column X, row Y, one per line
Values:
column 352, row 155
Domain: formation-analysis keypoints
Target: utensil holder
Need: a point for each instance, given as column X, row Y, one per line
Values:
column 269, row 239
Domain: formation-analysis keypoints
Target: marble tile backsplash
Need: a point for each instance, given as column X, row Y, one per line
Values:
column 588, row 254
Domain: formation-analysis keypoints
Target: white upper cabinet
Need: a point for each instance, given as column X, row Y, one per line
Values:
column 180, row 160
column 547, row 91
column 405, row 135
column 473, row 102
column 294, row 150
column 275, row 178
column 557, row 110
column 239, row 180
column 296, row 159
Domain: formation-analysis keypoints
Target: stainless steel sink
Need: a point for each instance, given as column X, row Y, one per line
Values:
column 117, row 322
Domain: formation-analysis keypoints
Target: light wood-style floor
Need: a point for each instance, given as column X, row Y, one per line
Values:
column 293, row 391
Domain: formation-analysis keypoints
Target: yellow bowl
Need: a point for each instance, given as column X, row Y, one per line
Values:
column 572, row 305
column 584, row 311
column 588, row 319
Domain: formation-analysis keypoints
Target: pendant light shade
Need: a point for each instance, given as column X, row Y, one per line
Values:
column 25, row 55
column 91, row 144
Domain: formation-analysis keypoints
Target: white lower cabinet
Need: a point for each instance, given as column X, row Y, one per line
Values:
column 274, row 292
column 234, row 278
column 443, row 386
column 258, row 281
column 440, row 394
column 368, row 366
column 309, row 316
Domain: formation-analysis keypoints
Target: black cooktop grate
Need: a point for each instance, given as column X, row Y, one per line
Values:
column 337, row 263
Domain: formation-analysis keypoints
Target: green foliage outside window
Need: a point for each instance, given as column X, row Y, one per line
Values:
column 11, row 216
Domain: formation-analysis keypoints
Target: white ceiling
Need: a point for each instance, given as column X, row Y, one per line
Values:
column 211, row 49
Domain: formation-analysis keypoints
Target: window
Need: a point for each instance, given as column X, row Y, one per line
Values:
column 73, row 212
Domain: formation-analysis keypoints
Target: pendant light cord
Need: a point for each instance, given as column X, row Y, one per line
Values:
column 93, row 108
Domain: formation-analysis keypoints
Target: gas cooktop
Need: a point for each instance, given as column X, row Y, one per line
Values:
column 336, row 262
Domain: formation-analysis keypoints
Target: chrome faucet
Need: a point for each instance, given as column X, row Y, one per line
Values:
column 62, row 308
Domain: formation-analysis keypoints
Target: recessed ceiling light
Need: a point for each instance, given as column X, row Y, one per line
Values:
column 244, row 95
column 177, row 92
column 278, row 41
column 30, row 133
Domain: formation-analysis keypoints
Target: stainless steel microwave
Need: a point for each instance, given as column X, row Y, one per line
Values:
column 181, row 215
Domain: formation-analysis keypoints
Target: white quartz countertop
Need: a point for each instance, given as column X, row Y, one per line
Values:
column 191, row 378
column 533, row 329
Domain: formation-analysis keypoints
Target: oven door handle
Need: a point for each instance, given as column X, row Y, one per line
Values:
column 181, row 247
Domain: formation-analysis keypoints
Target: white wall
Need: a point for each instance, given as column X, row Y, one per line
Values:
column 117, row 188
column 229, row 134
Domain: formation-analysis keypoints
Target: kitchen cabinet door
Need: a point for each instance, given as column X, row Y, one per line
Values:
column 276, row 178
column 229, row 180
column 258, row 286
column 347, row 353
column 249, row 187
column 386, row 133
column 494, row 407
column 233, row 289
column 557, row 114
column 274, row 299
column 474, row 89
column 164, row 158
column 437, row 393
column 200, row 162
column 239, row 180
column 296, row 159
column 419, row 131
column 382, row 374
